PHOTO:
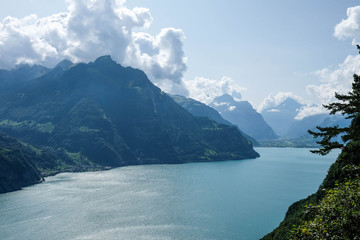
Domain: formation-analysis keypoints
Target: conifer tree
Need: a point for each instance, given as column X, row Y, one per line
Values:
column 349, row 105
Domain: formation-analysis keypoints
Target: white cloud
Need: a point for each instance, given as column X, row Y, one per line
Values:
column 232, row 108
column 161, row 57
column 274, row 100
column 308, row 111
column 338, row 79
column 274, row 110
column 205, row 90
column 350, row 27
column 90, row 29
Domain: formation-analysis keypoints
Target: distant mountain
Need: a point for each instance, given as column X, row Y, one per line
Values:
column 199, row 109
column 300, row 127
column 244, row 116
column 298, row 135
column 102, row 114
column 64, row 65
column 282, row 117
column 335, row 120
column 22, row 73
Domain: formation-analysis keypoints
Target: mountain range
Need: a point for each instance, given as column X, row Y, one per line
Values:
column 282, row 118
column 199, row 109
column 243, row 115
column 101, row 114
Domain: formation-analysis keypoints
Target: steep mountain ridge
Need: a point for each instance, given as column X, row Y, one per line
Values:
column 109, row 115
column 199, row 109
column 243, row 115
column 282, row 117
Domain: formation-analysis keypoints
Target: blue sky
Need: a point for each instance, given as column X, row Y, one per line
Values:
column 264, row 46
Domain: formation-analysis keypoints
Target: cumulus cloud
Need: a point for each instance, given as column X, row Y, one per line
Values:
column 205, row 90
column 275, row 99
column 162, row 57
column 308, row 111
column 93, row 28
column 350, row 27
column 232, row 108
column 338, row 79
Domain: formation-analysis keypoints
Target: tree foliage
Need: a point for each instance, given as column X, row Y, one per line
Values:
column 336, row 217
column 348, row 105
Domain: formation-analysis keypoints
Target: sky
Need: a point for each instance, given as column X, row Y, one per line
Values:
column 256, row 50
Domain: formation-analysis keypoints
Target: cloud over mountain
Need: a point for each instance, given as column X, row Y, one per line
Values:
column 275, row 99
column 206, row 90
column 93, row 28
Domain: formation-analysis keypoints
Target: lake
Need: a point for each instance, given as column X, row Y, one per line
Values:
column 221, row 200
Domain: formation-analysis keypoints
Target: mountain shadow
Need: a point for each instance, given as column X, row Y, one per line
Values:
column 103, row 114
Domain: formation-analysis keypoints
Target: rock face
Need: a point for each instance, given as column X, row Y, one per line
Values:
column 243, row 115
column 102, row 114
column 16, row 169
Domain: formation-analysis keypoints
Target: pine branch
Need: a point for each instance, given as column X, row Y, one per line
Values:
column 349, row 105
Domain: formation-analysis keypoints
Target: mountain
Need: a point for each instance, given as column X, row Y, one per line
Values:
column 298, row 135
column 64, row 64
column 23, row 164
column 282, row 117
column 102, row 114
column 242, row 114
column 294, row 132
column 21, row 73
column 17, row 170
column 199, row 109
column 300, row 127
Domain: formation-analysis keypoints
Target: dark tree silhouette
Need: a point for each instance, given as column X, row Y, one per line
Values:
column 349, row 105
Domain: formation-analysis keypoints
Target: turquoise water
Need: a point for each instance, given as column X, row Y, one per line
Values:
column 222, row 200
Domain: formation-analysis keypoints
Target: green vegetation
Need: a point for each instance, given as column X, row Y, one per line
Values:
column 86, row 129
column 337, row 216
column 333, row 212
column 198, row 109
column 343, row 173
column 101, row 115
column 301, row 142
column 40, row 127
column 17, row 170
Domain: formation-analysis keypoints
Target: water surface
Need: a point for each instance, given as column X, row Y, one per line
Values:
column 222, row 200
